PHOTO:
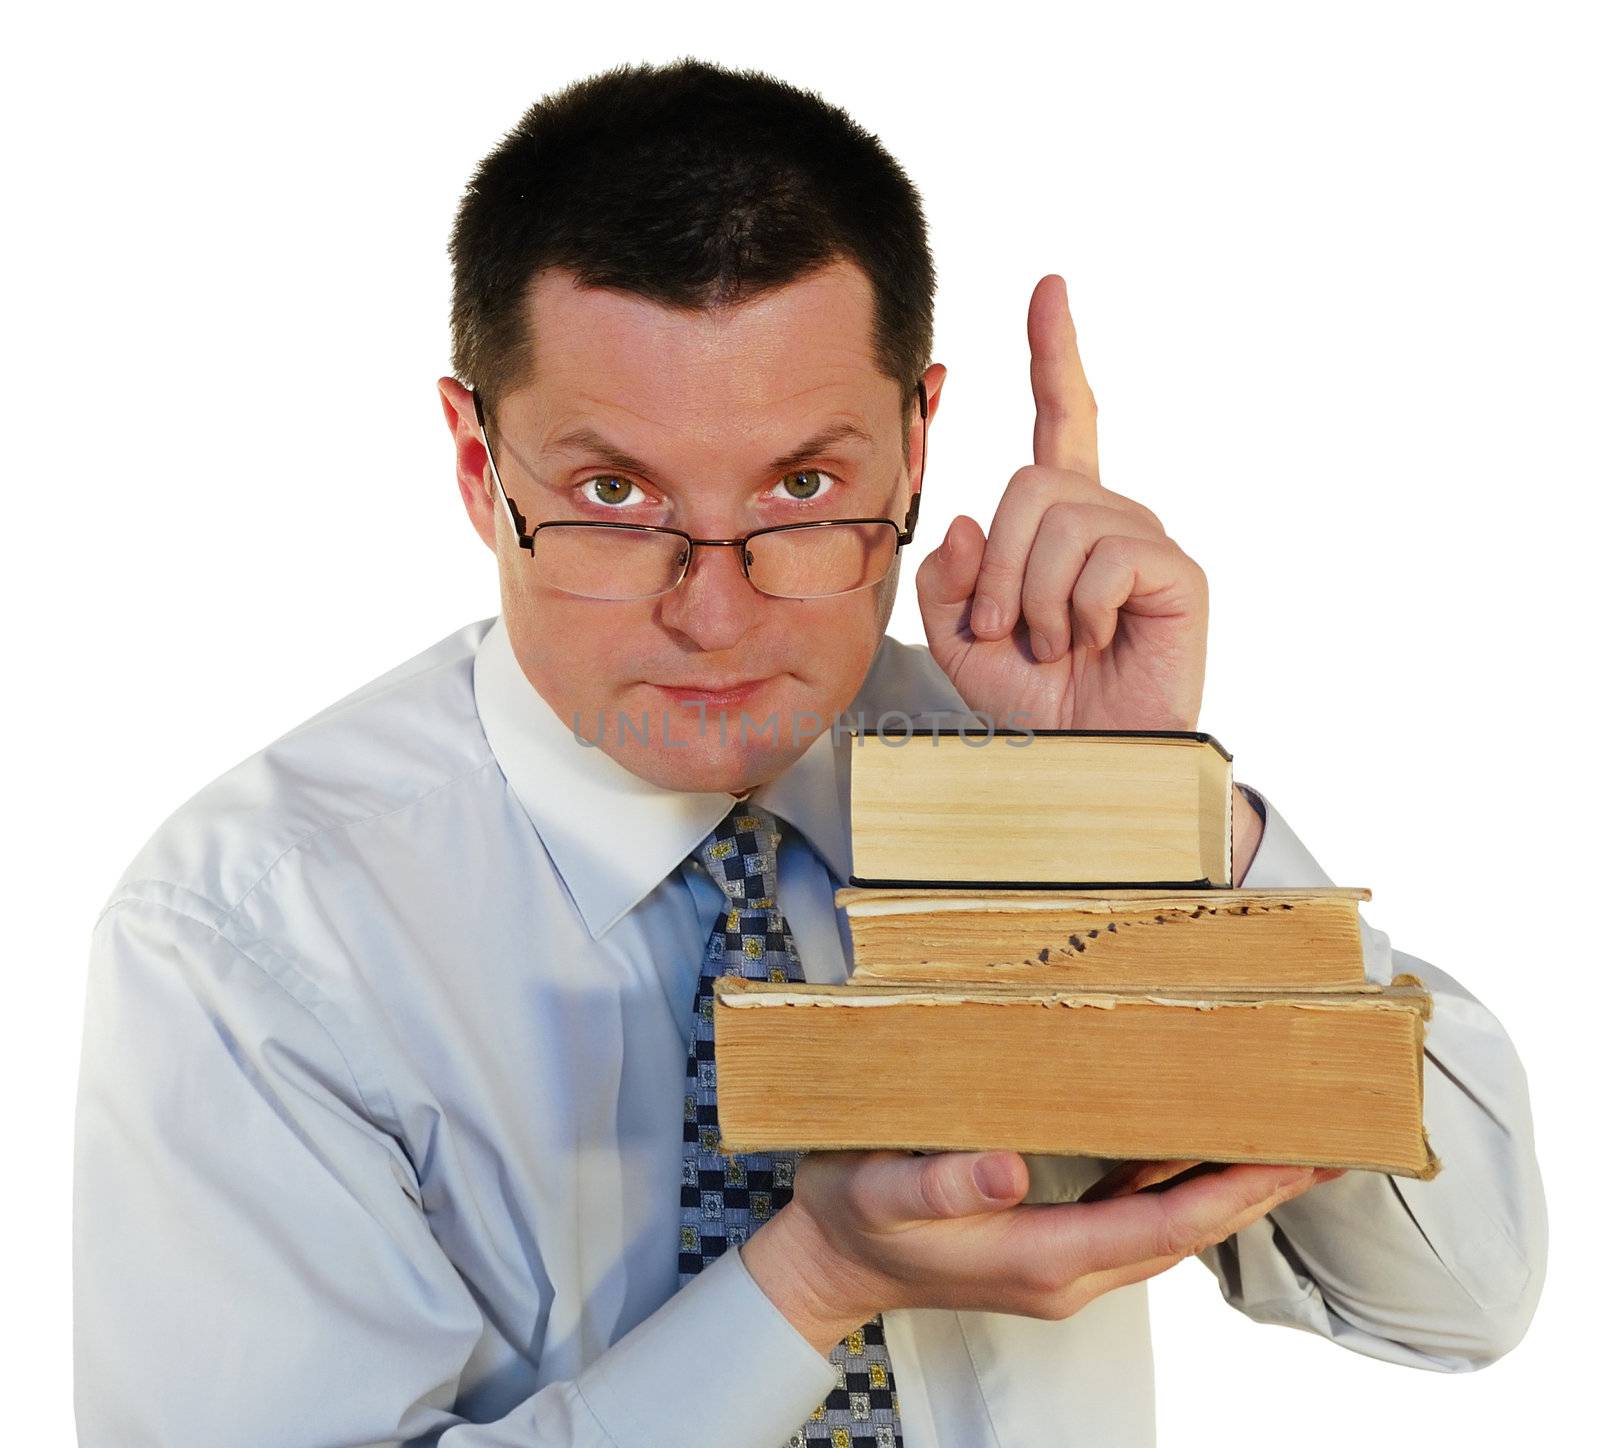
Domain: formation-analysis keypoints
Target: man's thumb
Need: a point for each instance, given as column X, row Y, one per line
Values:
column 947, row 576
column 963, row 1184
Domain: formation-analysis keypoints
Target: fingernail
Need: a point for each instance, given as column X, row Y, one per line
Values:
column 949, row 533
column 993, row 1176
column 985, row 616
column 1040, row 646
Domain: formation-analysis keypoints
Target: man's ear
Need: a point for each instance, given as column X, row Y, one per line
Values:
column 472, row 460
column 932, row 382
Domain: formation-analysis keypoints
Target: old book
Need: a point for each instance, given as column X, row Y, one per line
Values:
column 1324, row 1080
column 1063, row 807
column 1265, row 939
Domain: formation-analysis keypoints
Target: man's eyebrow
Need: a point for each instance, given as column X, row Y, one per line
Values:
column 587, row 440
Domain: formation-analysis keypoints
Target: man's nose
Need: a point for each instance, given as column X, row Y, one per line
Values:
column 715, row 605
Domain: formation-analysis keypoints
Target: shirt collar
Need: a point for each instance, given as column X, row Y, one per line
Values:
column 613, row 836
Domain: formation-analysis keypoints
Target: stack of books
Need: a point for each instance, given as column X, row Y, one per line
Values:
column 1050, row 958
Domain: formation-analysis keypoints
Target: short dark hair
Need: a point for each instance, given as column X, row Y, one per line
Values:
column 695, row 186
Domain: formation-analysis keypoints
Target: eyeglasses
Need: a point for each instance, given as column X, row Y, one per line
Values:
column 630, row 561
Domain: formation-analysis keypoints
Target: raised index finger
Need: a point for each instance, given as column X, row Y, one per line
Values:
column 1064, row 408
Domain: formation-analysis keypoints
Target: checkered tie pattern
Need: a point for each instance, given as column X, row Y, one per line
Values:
column 726, row 1196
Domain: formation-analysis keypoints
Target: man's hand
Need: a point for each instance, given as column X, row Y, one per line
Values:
column 1137, row 1176
column 1077, row 612
column 872, row 1231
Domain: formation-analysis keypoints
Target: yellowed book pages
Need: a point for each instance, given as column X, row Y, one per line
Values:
column 1066, row 807
column 1270, row 939
column 1325, row 1080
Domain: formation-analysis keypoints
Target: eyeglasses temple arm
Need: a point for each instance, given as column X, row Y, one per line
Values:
column 916, row 497
column 494, row 471
column 911, row 518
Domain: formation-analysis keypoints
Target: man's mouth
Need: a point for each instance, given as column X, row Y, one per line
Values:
column 713, row 691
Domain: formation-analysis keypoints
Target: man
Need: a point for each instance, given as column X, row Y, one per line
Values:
column 385, row 1129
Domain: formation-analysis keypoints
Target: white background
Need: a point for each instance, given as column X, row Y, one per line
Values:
column 1333, row 274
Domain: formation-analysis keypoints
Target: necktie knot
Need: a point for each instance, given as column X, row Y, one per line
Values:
column 741, row 855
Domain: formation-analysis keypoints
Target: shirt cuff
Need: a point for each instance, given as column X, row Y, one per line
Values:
column 1280, row 858
column 715, row 1366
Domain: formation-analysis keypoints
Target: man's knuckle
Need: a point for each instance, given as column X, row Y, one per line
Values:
column 1027, row 1284
column 1115, row 547
column 1067, row 1302
column 935, row 1191
column 1067, row 525
column 1149, row 515
column 1003, row 559
column 1046, row 1280
column 854, row 1194
column 1174, row 1235
column 1002, row 571
column 1064, row 513
column 1139, row 513
column 1042, row 600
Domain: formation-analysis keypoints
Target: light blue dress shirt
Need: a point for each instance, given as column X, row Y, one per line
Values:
column 378, row 1131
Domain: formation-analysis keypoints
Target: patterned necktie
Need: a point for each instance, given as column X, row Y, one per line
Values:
column 726, row 1196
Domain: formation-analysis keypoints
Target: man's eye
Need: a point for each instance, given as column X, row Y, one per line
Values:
column 805, row 484
column 611, row 491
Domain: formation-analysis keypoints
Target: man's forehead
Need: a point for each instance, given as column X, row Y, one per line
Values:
column 797, row 350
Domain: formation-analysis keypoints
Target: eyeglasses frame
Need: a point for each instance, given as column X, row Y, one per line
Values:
column 525, row 539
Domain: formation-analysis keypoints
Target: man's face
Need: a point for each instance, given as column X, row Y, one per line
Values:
column 705, row 401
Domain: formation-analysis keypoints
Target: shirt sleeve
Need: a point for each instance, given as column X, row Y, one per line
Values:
column 1440, row 1274
column 251, row 1265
